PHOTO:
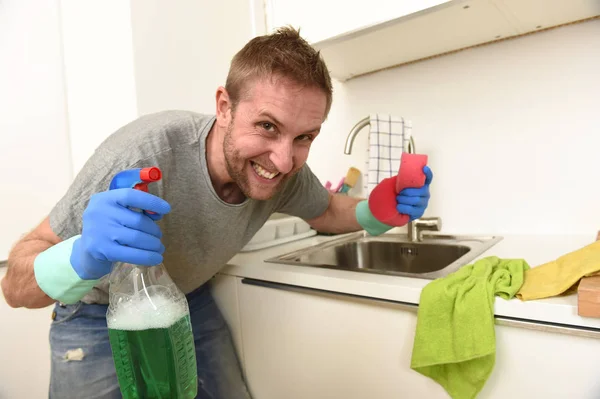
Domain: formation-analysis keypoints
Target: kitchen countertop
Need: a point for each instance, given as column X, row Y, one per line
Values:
column 535, row 249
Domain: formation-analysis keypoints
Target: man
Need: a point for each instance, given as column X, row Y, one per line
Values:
column 223, row 176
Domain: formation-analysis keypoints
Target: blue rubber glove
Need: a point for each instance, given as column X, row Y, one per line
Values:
column 114, row 233
column 414, row 201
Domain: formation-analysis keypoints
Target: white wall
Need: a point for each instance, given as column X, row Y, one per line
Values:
column 183, row 49
column 100, row 82
column 511, row 130
column 124, row 59
column 36, row 166
column 24, row 350
column 34, row 151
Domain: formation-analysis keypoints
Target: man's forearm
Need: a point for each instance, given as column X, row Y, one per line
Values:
column 339, row 217
column 19, row 286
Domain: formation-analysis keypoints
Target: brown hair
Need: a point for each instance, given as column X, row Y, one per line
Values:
column 284, row 53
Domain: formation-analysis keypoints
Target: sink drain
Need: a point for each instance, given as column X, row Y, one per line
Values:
column 409, row 251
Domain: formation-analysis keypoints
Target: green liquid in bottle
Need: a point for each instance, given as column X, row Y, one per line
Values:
column 155, row 363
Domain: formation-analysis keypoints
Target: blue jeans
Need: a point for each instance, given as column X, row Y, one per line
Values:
column 80, row 329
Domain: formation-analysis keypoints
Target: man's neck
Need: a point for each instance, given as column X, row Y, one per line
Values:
column 224, row 186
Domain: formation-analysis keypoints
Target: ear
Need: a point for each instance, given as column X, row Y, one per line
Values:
column 223, row 108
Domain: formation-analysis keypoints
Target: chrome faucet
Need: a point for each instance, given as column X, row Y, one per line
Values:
column 416, row 227
column 356, row 128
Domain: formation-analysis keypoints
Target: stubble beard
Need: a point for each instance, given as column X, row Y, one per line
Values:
column 232, row 158
column 240, row 178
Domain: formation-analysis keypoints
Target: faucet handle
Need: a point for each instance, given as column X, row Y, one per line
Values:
column 429, row 223
column 416, row 227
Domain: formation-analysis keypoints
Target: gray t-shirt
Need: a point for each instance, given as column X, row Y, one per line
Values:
column 202, row 232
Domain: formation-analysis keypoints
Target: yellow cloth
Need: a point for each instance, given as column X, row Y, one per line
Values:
column 559, row 276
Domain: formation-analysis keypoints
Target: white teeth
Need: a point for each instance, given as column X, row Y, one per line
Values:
column 263, row 172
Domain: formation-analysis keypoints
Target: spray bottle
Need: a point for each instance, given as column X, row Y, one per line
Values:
column 149, row 322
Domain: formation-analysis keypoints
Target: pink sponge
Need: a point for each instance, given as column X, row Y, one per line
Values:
column 382, row 200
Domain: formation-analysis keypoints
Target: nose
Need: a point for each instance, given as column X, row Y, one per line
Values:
column 282, row 156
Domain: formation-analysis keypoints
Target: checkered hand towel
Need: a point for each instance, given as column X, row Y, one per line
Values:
column 389, row 137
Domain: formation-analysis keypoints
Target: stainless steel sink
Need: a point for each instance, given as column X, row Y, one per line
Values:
column 436, row 255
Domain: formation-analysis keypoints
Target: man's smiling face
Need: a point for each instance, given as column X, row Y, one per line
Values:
column 269, row 136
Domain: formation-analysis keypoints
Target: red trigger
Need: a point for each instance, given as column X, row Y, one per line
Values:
column 143, row 187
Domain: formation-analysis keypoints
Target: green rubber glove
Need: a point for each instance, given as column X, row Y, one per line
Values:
column 55, row 274
column 365, row 218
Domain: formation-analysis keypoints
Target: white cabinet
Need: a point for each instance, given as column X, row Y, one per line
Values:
column 323, row 19
column 357, row 38
column 300, row 343
column 536, row 364
column 224, row 292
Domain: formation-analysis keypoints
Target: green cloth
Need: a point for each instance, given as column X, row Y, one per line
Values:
column 455, row 341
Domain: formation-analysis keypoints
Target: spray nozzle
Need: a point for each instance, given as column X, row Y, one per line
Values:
column 137, row 179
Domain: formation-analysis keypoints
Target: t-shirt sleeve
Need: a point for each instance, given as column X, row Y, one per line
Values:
column 304, row 196
column 95, row 176
column 118, row 152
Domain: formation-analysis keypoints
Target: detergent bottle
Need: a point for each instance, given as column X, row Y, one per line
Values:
column 149, row 322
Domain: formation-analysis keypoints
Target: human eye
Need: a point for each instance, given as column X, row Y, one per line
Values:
column 305, row 137
column 268, row 126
